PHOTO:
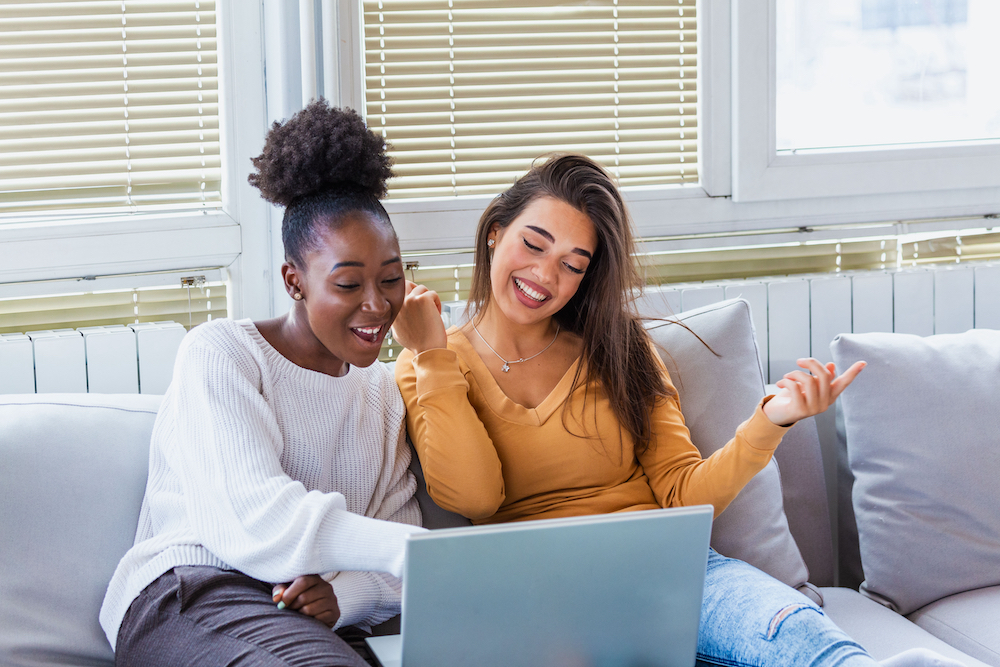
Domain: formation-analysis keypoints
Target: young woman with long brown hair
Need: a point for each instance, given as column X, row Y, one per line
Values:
column 552, row 402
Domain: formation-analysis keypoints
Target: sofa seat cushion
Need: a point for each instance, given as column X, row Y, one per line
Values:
column 969, row 621
column 881, row 631
column 72, row 476
column 719, row 388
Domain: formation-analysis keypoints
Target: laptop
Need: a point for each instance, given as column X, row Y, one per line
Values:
column 617, row 589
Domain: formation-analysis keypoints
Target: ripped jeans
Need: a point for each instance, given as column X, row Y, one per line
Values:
column 749, row 619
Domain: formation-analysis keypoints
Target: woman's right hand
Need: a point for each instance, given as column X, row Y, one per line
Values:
column 418, row 327
column 311, row 595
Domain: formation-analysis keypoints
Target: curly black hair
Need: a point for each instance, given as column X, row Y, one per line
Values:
column 319, row 164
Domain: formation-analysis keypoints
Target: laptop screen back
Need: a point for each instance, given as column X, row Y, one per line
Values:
column 621, row 589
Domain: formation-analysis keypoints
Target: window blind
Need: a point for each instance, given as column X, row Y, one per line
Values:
column 469, row 92
column 185, row 305
column 109, row 105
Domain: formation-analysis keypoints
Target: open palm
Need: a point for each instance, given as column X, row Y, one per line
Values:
column 803, row 394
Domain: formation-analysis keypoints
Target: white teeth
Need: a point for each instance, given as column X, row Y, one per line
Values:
column 530, row 292
column 370, row 331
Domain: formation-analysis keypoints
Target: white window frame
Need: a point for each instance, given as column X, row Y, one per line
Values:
column 760, row 173
column 66, row 247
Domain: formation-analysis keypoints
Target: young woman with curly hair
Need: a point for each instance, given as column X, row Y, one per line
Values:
column 279, row 497
column 552, row 402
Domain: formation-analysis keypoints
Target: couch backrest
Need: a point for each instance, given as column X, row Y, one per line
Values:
column 72, row 476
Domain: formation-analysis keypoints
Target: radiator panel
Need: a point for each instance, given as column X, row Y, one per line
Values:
column 112, row 360
column 787, row 326
column 60, row 362
column 913, row 302
column 871, row 302
column 658, row 301
column 157, row 343
column 954, row 300
column 830, row 313
column 987, row 299
column 756, row 295
column 17, row 364
column 696, row 297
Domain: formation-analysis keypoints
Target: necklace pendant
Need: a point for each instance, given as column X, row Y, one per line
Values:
column 505, row 367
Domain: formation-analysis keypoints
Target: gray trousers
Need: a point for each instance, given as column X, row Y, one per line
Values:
column 207, row 616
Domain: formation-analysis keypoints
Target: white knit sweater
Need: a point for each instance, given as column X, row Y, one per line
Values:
column 262, row 466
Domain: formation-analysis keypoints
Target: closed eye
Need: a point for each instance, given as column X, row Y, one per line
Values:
column 575, row 270
column 393, row 281
column 531, row 247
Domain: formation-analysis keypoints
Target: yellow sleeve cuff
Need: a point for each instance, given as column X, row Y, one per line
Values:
column 438, row 369
column 759, row 432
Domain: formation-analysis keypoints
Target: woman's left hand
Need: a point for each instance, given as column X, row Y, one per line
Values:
column 418, row 327
column 803, row 395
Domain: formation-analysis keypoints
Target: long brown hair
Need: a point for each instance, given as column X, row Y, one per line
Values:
column 615, row 345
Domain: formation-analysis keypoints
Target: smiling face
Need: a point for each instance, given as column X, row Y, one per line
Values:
column 352, row 287
column 540, row 259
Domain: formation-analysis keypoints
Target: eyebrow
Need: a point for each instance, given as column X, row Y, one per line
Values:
column 387, row 262
column 551, row 239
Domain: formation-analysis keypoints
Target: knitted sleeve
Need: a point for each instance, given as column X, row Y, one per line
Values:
column 369, row 598
column 220, row 436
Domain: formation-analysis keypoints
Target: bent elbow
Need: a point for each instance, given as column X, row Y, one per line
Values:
column 474, row 506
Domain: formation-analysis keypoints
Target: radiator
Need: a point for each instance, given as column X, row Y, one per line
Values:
column 793, row 317
column 798, row 316
column 133, row 359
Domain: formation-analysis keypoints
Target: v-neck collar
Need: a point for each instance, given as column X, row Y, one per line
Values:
column 498, row 400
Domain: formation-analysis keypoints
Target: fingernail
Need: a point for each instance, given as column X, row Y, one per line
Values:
column 281, row 605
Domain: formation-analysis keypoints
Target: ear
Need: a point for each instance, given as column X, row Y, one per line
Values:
column 292, row 279
column 495, row 232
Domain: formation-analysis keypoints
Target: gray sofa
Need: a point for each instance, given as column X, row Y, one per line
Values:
column 73, row 469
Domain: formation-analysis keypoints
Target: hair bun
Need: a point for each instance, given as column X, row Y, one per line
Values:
column 318, row 150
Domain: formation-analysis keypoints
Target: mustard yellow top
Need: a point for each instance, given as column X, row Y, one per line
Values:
column 493, row 460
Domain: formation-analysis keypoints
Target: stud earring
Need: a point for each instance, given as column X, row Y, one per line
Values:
column 297, row 296
column 490, row 243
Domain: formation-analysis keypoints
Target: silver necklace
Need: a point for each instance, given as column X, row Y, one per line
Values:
column 506, row 364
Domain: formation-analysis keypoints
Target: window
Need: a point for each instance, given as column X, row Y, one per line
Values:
column 469, row 93
column 885, row 72
column 933, row 177
column 109, row 106
column 70, row 225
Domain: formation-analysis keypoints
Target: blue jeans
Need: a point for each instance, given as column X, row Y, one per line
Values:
column 750, row 619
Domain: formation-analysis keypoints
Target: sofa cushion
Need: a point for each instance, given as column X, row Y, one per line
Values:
column 921, row 424
column 718, row 391
column 72, row 476
column 882, row 632
column 968, row 621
